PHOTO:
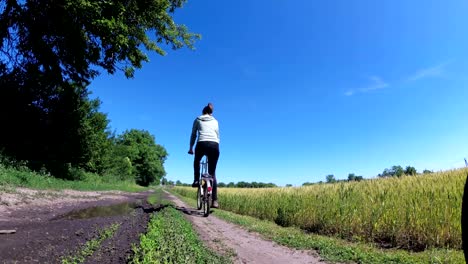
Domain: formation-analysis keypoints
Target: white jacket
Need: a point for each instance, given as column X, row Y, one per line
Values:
column 207, row 128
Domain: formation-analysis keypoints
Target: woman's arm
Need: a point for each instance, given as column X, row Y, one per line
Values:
column 193, row 136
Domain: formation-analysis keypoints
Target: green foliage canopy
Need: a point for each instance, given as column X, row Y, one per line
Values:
column 146, row 157
column 49, row 52
column 410, row 171
column 67, row 40
column 330, row 178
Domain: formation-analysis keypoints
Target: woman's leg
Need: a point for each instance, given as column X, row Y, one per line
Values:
column 199, row 152
column 213, row 156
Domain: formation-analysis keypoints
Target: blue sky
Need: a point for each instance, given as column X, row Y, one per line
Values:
column 303, row 89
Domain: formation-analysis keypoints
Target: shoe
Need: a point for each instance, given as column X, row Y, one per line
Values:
column 195, row 184
column 215, row 204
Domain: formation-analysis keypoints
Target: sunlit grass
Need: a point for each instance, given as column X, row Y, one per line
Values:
column 171, row 239
column 11, row 177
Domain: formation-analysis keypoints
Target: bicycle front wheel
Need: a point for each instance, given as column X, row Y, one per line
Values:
column 206, row 202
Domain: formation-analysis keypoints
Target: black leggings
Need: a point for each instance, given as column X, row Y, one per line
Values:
column 211, row 150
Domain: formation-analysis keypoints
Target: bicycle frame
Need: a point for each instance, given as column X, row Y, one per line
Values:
column 205, row 189
column 205, row 177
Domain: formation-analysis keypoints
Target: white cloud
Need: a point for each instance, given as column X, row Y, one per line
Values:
column 434, row 71
column 377, row 83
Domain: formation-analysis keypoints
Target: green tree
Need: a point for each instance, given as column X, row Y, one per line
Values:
column 394, row 171
column 163, row 181
column 426, row 171
column 397, row 171
column 243, row 184
column 50, row 52
column 146, row 156
column 386, row 173
column 87, row 131
column 411, row 171
column 330, row 178
column 68, row 40
column 358, row 178
column 66, row 130
column 119, row 164
column 354, row 177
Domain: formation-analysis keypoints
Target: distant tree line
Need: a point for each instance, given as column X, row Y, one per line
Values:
column 398, row 171
column 394, row 171
column 241, row 184
column 330, row 178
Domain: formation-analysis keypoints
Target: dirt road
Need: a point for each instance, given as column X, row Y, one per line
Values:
column 243, row 246
column 51, row 225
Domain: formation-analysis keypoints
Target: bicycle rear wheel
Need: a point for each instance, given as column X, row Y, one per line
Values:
column 199, row 198
column 206, row 202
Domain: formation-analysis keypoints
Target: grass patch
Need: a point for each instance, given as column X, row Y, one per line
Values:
column 334, row 249
column 171, row 239
column 12, row 177
column 90, row 246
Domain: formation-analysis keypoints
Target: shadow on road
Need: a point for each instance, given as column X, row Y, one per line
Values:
column 190, row 211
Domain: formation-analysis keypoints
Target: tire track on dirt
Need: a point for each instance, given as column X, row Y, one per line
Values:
column 243, row 246
column 45, row 234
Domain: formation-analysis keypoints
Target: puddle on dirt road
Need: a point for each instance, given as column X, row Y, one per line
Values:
column 102, row 211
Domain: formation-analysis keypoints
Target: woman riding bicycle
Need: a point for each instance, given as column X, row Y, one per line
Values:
column 206, row 126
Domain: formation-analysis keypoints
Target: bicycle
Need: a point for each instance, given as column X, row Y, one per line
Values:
column 204, row 189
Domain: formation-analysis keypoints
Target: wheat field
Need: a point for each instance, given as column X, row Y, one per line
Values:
column 412, row 212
